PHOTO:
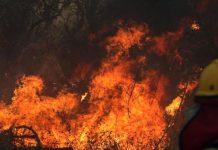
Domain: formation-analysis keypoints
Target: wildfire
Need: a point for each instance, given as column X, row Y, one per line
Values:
column 123, row 110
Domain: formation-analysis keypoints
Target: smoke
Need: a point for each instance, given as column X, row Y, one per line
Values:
column 111, row 53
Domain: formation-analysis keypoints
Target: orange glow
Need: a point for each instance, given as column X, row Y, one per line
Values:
column 195, row 26
column 121, row 111
column 188, row 87
column 124, row 39
column 83, row 97
column 164, row 43
column 174, row 106
column 41, row 112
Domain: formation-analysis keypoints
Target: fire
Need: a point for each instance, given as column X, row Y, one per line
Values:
column 174, row 106
column 123, row 108
column 83, row 136
column 165, row 42
column 195, row 26
column 83, row 97
column 45, row 114
column 188, row 87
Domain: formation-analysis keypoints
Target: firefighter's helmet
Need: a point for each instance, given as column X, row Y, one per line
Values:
column 208, row 85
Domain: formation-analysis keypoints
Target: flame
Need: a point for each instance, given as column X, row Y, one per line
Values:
column 125, row 38
column 83, row 136
column 188, row 87
column 174, row 106
column 166, row 42
column 44, row 114
column 83, row 97
column 122, row 110
column 195, row 26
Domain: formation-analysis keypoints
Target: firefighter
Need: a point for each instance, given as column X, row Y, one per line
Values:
column 201, row 132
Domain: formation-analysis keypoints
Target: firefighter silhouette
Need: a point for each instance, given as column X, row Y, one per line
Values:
column 201, row 132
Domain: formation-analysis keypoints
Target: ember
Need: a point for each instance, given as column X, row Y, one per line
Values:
column 195, row 26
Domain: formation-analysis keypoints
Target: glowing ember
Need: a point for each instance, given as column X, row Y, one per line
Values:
column 195, row 26
column 84, row 96
column 188, row 87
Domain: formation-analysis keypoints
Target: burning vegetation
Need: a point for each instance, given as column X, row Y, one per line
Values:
column 128, row 90
column 123, row 100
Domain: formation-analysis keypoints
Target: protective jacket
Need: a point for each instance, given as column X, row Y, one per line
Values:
column 202, row 131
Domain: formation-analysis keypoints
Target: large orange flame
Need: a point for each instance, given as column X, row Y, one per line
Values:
column 121, row 112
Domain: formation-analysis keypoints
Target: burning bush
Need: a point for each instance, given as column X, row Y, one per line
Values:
column 125, row 104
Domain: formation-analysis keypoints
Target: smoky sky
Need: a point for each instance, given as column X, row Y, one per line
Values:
column 31, row 45
column 160, row 14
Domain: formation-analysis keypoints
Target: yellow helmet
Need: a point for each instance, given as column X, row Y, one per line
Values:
column 208, row 85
